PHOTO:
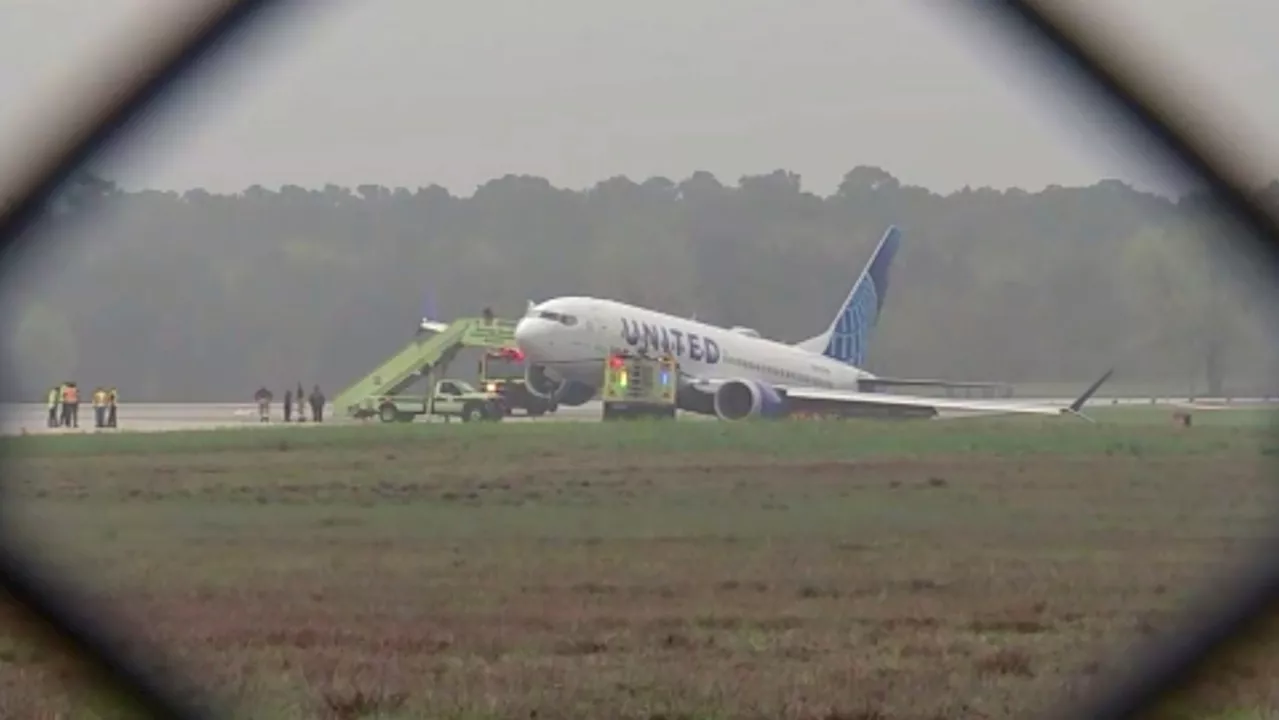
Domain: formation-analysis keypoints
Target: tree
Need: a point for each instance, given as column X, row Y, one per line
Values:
column 206, row 296
column 44, row 346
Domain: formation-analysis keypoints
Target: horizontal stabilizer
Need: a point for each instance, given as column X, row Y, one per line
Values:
column 429, row 325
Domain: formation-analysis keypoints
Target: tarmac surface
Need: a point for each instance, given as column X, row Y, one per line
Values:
column 30, row 418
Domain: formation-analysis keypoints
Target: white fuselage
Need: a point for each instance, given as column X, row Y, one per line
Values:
column 571, row 336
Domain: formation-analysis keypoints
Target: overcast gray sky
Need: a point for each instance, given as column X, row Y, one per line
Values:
column 414, row 92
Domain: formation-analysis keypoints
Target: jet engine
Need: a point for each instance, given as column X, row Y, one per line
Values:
column 535, row 378
column 571, row 394
column 738, row 399
column 574, row 393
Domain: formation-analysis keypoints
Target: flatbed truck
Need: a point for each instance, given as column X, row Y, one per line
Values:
column 637, row 386
column 448, row 398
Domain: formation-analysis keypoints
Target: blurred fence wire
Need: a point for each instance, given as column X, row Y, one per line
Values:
column 47, row 602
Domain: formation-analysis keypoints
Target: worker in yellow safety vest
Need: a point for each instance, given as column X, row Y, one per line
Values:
column 113, row 399
column 55, row 397
column 99, row 407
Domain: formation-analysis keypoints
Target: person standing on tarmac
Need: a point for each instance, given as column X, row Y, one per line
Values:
column 64, row 410
column 113, row 398
column 288, row 405
column 70, row 405
column 298, row 397
column 99, row 407
column 75, row 405
column 55, row 397
column 263, row 397
column 317, row 404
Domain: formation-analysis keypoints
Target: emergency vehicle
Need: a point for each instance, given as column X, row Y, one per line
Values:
column 501, row 372
column 637, row 386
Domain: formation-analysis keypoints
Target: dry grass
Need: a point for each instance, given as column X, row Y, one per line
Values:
column 413, row 580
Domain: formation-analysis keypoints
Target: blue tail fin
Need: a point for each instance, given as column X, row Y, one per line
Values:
column 429, row 304
column 430, row 321
column 848, row 337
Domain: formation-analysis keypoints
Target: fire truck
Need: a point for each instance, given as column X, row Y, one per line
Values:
column 637, row 386
column 502, row 372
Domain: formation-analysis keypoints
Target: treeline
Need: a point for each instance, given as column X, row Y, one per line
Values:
column 202, row 297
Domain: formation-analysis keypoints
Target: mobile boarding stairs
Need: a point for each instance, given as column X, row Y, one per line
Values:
column 430, row 351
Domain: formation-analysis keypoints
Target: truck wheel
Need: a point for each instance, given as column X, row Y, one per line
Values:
column 470, row 412
column 388, row 413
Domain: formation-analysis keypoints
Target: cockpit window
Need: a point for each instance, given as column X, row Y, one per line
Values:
column 566, row 320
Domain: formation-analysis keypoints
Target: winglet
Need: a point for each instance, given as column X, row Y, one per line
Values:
column 1078, row 404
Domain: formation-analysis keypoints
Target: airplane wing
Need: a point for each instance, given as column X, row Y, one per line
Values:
column 848, row 403
column 875, row 383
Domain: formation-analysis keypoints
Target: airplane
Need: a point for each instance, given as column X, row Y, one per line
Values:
column 734, row 373
column 429, row 325
column 428, row 309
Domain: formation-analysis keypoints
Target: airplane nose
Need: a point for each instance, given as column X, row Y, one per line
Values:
column 526, row 330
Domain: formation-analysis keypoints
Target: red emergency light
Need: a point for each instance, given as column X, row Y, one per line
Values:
column 509, row 354
column 615, row 362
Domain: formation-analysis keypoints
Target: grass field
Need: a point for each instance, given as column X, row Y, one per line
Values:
column 981, row 568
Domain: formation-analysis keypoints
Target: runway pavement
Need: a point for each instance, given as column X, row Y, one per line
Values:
column 15, row 419
column 31, row 418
